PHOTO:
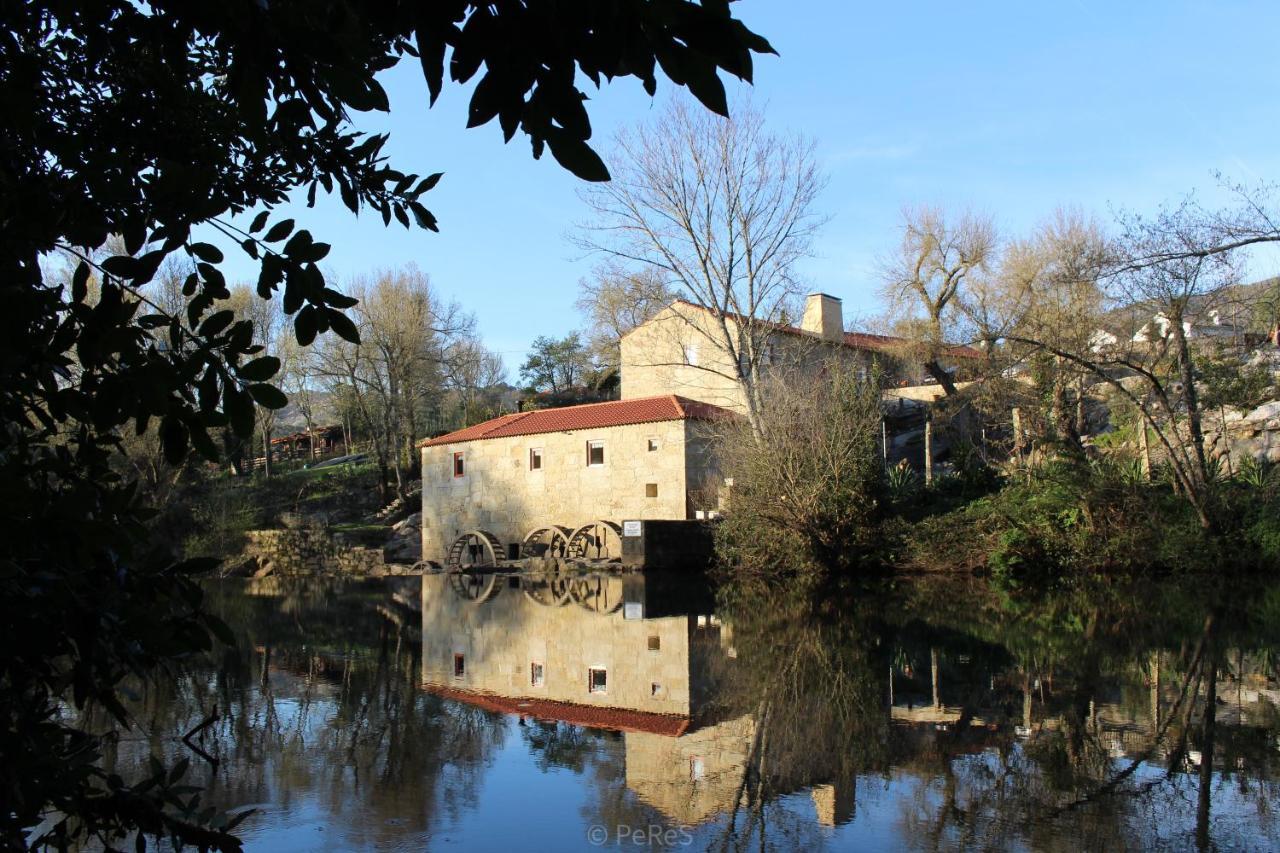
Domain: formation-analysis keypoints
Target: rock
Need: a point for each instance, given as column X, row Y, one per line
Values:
column 1265, row 412
column 242, row 569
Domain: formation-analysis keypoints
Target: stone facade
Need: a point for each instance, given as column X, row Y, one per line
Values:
column 677, row 353
column 659, row 470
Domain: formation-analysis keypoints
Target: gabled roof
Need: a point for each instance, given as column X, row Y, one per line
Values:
column 852, row 340
column 644, row 410
column 589, row 716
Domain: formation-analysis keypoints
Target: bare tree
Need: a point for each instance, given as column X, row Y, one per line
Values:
column 721, row 210
column 470, row 371
column 1051, row 283
column 615, row 301
column 405, row 332
column 923, row 279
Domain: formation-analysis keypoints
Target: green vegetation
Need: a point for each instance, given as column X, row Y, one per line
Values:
column 218, row 510
column 808, row 484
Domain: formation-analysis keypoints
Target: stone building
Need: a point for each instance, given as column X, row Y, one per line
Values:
column 680, row 350
column 531, row 477
column 555, row 470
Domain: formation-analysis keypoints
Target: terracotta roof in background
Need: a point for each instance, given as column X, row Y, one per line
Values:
column 885, row 343
column 853, row 340
column 590, row 716
column 645, row 410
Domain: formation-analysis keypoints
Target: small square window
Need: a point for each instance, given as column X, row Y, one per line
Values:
column 655, row 690
column 535, row 458
column 655, row 643
column 653, row 444
column 650, row 490
column 595, row 453
column 597, row 680
column 457, row 465
column 535, row 674
column 459, row 665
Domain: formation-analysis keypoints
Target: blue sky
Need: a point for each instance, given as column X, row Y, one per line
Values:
column 1012, row 109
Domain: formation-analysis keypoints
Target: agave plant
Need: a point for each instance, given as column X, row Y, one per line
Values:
column 1257, row 473
column 903, row 481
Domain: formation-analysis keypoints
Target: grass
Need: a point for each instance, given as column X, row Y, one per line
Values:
column 221, row 509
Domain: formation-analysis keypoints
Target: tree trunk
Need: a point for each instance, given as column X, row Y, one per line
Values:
column 1187, row 374
column 941, row 376
column 266, row 452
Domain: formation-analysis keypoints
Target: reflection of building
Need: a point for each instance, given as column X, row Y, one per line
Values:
column 599, row 651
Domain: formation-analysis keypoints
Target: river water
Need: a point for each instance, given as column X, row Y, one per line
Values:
column 643, row 712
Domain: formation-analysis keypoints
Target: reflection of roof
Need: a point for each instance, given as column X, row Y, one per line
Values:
column 669, row 407
column 590, row 716
column 853, row 340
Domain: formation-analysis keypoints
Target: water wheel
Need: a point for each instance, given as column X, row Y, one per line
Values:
column 548, row 590
column 552, row 539
column 472, row 588
column 592, row 593
column 596, row 540
column 474, row 549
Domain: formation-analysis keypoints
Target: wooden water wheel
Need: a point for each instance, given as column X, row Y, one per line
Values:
column 596, row 540
column 552, row 539
column 474, row 588
column 474, row 549
column 548, row 590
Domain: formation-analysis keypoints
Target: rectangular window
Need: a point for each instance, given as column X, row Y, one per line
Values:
column 459, row 665
column 457, row 464
column 535, row 674
column 650, row 490
column 653, row 444
column 597, row 680
column 655, row 643
column 535, row 458
column 595, row 453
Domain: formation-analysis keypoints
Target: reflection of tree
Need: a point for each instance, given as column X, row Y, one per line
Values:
column 1075, row 716
column 322, row 702
column 813, row 680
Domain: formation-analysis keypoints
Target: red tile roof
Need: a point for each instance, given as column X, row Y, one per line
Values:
column 590, row 716
column 853, row 340
column 645, row 410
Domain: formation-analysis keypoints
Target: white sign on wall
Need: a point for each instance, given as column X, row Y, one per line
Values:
column 631, row 528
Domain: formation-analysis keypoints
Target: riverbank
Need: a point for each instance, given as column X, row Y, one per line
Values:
column 1083, row 518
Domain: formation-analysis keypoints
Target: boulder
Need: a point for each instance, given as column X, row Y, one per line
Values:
column 240, row 568
column 1265, row 412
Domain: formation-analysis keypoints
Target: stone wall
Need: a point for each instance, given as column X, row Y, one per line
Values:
column 311, row 551
column 500, row 493
column 1254, row 434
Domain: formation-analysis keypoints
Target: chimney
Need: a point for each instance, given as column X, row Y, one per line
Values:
column 822, row 317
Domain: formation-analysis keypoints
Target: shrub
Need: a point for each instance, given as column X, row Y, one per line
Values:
column 808, row 481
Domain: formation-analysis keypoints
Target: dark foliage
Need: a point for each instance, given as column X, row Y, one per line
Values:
column 146, row 121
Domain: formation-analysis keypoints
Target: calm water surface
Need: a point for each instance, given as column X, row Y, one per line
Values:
column 505, row 713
